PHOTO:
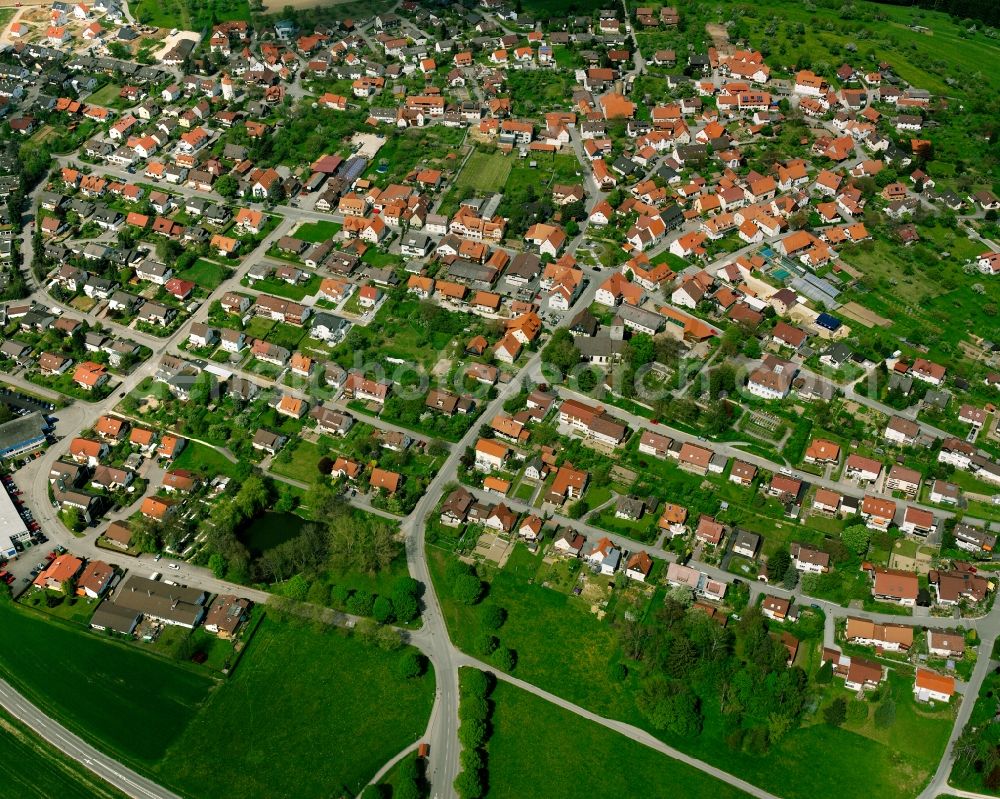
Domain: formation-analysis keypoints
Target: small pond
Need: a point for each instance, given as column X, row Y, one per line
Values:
column 269, row 530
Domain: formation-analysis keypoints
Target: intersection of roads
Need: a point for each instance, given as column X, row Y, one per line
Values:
column 432, row 638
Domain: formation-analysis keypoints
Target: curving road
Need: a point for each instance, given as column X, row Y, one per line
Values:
column 107, row 768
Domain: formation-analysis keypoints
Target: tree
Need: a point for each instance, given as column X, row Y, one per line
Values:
column 227, row 186
column 411, row 665
column 856, row 538
column 790, row 579
column 505, row 658
column 325, row 465
column 361, row 603
column 468, row 785
column 472, row 733
column 382, row 610
column 494, row 617
column 835, row 713
column 467, row 589
column 405, row 607
column 885, row 713
column 671, row 707
column 297, row 588
column 561, row 351
column 486, row 644
column 473, row 707
column 217, row 564
column 356, row 543
column 778, row 564
column 476, row 683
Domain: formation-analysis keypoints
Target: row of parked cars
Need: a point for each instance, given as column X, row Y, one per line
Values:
column 29, row 520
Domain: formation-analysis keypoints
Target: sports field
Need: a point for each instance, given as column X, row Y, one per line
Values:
column 485, row 172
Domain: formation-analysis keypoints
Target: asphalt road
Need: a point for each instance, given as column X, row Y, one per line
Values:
column 433, row 637
column 107, row 768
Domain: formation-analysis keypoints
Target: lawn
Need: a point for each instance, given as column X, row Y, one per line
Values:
column 204, row 273
column 106, row 95
column 300, row 463
column 286, row 335
column 259, row 327
column 317, row 710
column 97, row 688
column 32, row 769
column 542, row 626
column 485, row 172
column 317, row 231
column 518, row 767
column 204, row 461
column 281, row 288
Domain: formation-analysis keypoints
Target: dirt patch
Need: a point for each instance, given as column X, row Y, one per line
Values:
column 720, row 37
column 861, row 314
column 494, row 548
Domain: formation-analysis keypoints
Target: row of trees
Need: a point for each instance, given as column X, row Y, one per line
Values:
column 474, row 712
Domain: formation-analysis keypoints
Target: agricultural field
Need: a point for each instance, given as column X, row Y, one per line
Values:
column 86, row 685
column 30, row 768
column 324, row 730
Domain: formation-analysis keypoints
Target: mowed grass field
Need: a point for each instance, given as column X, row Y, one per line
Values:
column 106, row 95
column 521, row 765
column 485, row 172
column 204, row 273
column 122, row 700
column 204, row 461
column 32, row 769
column 317, row 231
column 307, row 713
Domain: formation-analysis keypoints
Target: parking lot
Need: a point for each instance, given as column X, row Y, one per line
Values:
column 19, row 571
